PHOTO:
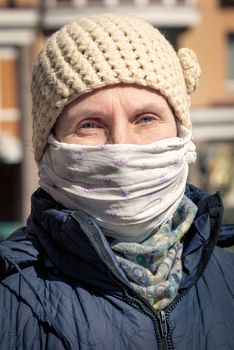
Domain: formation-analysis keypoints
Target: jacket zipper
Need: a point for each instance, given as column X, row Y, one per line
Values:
column 163, row 329
column 163, row 322
column 139, row 303
column 159, row 319
column 136, row 301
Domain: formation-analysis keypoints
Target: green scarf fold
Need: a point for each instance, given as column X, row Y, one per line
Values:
column 154, row 266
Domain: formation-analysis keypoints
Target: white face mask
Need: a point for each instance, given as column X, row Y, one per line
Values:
column 130, row 190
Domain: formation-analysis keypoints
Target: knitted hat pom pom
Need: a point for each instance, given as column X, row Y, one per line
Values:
column 191, row 69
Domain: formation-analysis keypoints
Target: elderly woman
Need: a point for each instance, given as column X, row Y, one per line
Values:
column 117, row 253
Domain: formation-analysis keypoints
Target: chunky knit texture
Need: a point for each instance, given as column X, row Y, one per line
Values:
column 104, row 50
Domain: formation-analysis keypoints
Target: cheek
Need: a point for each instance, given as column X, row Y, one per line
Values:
column 162, row 131
column 60, row 129
column 170, row 129
column 92, row 139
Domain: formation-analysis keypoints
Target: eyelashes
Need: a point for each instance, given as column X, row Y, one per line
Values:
column 89, row 125
column 146, row 119
column 94, row 124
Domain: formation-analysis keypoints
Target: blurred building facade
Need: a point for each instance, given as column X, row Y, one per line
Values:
column 205, row 26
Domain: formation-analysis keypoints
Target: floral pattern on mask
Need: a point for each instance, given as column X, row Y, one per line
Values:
column 131, row 190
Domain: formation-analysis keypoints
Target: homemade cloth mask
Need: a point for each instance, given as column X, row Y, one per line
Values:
column 154, row 267
column 130, row 190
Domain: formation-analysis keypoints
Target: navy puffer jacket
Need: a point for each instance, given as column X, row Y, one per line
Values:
column 61, row 287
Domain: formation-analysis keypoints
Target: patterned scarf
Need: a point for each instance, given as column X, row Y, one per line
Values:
column 154, row 266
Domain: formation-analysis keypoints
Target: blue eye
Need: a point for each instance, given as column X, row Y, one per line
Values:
column 89, row 125
column 145, row 119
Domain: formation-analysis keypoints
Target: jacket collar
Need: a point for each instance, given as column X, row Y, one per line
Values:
column 202, row 237
column 71, row 238
column 64, row 239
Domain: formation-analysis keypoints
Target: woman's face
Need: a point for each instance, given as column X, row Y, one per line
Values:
column 122, row 114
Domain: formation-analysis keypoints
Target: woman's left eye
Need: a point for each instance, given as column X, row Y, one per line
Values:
column 145, row 119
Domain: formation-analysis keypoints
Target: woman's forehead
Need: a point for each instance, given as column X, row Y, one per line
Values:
column 132, row 96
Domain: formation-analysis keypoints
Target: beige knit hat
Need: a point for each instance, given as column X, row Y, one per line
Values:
column 102, row 50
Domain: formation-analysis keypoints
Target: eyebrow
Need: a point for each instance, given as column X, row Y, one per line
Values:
column 97, row 113
column 90, row 113
column 158, row 107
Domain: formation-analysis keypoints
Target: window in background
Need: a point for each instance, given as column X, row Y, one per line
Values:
column 67, row 3
column 95, row 2
column 10, row 140
column 230, row 62
column 27, row 3
column 126, row 2
column 20, row 3
column 10, row 143
column 216, row 162
column 231, row 56
column 64, row 2
column 227, row 3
